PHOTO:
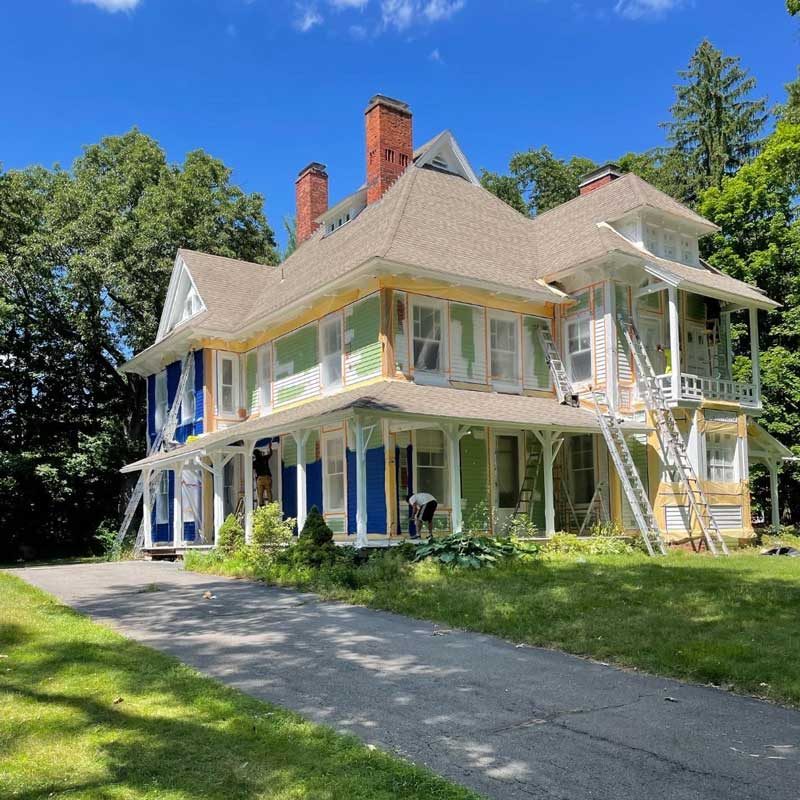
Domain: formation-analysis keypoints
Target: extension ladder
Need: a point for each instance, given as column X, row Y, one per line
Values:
column 564, row 392
column 526, row 492
column 162, row 440
column 673, row 447
column 632, row 485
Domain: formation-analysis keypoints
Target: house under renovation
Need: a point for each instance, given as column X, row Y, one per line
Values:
column 424, row 336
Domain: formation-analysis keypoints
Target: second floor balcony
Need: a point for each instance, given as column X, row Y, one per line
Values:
column 695, row 388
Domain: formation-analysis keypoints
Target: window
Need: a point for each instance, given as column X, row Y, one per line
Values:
column 161, row 400
column 192, row 496
column 428, row 329
column 228, row 377
column 162, row 499
column 721, row 457
column 334, row 498
column 330, row 335
column 536, row 369
column 188, row 399
column 651, row 239
column 669, row 250
column 431, row 464
column 687, row 250
column 579, row 348
column 507, row 461
column 265, row 375
column 229, row 488
column 581, row 468
column 504, row 348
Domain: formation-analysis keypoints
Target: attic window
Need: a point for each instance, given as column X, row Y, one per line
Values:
column 339, row 221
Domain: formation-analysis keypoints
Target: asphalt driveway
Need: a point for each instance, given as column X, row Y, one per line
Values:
column 510, row 722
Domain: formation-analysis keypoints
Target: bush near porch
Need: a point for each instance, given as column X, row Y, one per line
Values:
column 727, row 621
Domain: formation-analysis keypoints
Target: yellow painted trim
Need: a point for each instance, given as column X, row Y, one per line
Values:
column 386, row 335
column 390, row 487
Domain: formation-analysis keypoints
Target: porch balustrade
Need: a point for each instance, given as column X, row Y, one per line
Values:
column 700, row 387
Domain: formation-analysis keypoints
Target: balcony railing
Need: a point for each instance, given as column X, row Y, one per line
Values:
column 699, row 387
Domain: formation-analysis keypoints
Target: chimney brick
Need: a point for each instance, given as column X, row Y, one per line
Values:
column 598, row 178
column 311, row 199
column 390, row 146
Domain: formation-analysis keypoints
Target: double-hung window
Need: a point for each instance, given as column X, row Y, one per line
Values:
column 581, row 467
column 721, row 457
column 579, row 348
column 431, row 464
column 188, row 400
column 330, row 346
column 227, row 384
column 162, row 499
column 504, row 347
column 161, row 400
column 334, row 461
column 429, row 335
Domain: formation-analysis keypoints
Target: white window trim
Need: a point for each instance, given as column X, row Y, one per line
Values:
column 501, row 384
column 440, row 377
column 582, row 317
column 331, row 319
column 222, row 355
column 162, row 499
column 735, row 462
column 162, row 404
column 189, row 392
column 327, row 438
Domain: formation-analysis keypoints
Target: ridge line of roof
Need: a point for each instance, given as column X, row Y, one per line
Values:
column 399, row 210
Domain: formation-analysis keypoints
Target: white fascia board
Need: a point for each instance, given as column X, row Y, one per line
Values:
column 446, row 141
column 152, row 359
column 179, row 268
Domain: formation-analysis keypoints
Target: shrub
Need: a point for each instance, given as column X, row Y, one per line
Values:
column 462, row 550
column 270, row 529
column 315, row 544
column 520, row 527
column 590, row 545
column 607, row 528
column 231, row 536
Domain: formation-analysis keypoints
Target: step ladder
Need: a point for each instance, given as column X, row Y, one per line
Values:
column 631, row 482
column 597, row 509
column 528, row 488
column 163, row 440
column 673, row 448
column 564, row 392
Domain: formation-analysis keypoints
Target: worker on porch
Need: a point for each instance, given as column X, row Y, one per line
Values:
column 423, row 507
column 263, row 475
column 666, row 355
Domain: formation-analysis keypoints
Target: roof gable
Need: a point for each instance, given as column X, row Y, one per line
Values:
column 444, row 154
column 183, row 301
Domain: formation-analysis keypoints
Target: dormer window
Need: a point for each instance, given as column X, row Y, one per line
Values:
column 183, row 301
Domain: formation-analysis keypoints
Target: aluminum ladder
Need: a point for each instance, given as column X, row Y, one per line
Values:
column 564, row 392
column 597, row 508
column 673, row 447
column 632, row 485
column 526, row 492
column 161, row 441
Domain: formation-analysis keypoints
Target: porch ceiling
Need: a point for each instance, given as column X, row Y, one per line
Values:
column 398, row 400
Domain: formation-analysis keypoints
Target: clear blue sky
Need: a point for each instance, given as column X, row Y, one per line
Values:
column 269, row 85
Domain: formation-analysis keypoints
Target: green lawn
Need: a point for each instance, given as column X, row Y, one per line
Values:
column 85, row 713
column 734, row 622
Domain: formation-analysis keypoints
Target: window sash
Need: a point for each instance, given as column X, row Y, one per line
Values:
column 162, row 499
column 721, row 457
column 431, row 464
column 504, row 348
column 428, row 347
column 228, row 378
column 161, row 400
column 579, row 348
column 188, row 399
column 334, row 464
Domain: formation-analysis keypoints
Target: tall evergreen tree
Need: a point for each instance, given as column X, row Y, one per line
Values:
column 715, row 119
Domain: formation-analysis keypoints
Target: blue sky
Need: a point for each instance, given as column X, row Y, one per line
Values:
column 269, row 85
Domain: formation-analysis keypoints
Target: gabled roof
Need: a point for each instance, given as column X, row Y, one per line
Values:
column 393, row 397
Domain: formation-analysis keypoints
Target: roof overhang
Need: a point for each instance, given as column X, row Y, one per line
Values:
column 764, row 448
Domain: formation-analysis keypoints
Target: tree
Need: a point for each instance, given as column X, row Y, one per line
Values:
column 290, row 226
column 714, row 119
column 506, row 188
column 759, row 241
column 85, row 258
column 793, row 7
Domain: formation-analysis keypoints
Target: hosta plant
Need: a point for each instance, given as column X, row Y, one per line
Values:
column 462, row 550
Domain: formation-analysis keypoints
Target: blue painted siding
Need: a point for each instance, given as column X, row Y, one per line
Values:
column 162, row 532
column 189, row 532
column 289, row 489
column 376, row 491
column 314, row 485
column 193, row 427
column 199, row 394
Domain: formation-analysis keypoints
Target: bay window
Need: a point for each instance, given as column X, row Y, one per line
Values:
column 579, row 348
column 721, row 457
column 428, row 334
column 431, row 464
column 504, row 347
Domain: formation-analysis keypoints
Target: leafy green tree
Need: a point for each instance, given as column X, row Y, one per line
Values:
column 506, row 188
column 793, row 7
column 715, row 121
column 85, row 258
column 759, row 241
column 290, row 226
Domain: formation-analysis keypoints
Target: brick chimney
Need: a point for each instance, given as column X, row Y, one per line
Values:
column 599, row 177
column 389, row 143
column 311, row 198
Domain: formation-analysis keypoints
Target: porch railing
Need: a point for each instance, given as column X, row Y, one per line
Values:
column 700, row 387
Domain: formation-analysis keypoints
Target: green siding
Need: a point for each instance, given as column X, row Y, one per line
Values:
column 296, row 352
column 475, row 479
column 638, row 446
column 363, row 323
column 251, row 372
column 582, row 303
column 289, row 451
column 336, row 524
column 537, row 373
column 311, row 447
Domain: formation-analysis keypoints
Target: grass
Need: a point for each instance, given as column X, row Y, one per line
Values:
column 731, row 621
column 89, row 714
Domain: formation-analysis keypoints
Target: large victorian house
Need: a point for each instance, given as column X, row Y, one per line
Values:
column 426, row 336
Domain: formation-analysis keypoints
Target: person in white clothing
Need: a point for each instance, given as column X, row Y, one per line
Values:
column 423, row 507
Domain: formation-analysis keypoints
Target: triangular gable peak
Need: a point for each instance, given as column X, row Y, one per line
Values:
column 183, row 299
column 443, row 153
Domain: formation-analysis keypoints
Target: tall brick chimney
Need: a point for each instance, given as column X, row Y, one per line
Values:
column 598, row 178
column 389, row 143
column 311, row 198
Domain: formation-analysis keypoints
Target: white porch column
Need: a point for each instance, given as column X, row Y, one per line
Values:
column 147, row 508
column 300, row 440
column 548, row 457
column 218, row 475
column 177, row 506
column 361, row 483
column 754, row 355
column 675, row 341
column 452, row 432
column 775, row 508
column 247, row 472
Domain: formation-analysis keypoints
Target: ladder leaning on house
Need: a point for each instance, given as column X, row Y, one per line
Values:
column 632, row 485
column 528, row 489
column 564, row 391
column 673, row 447
column 161, row 441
